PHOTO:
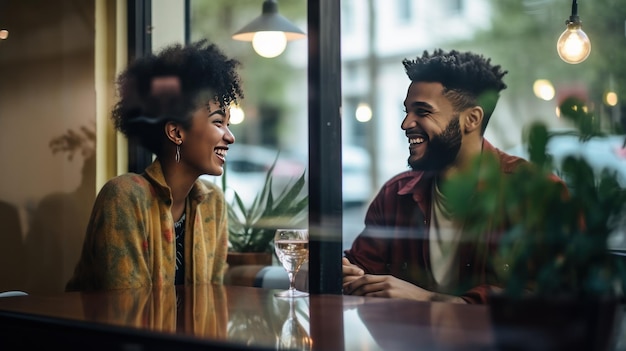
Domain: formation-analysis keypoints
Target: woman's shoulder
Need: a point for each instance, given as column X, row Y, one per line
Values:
column 210, row 186
column 208, row 191
column 126, row 184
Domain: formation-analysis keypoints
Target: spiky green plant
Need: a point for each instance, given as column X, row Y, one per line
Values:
column 251, row 229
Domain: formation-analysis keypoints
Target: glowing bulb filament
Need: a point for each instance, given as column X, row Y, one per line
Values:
column 269, row 44
column 573, row 45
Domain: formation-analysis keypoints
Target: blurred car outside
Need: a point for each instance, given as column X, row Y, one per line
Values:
column 246, row 168
column 247, row 165
column 356, row 175
column 602, row 153
column 355, row 172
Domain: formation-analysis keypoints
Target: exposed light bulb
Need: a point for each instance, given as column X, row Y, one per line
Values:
column 236, row 114
column 543, row 89
column 269, row 44
column 573, row 45
column 363, row 113
column 4, row 34
column 610, row 98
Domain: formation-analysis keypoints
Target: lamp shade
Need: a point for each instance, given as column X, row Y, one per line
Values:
column 269, row 21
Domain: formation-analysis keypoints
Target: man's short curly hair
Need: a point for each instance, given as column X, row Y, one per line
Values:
column 468, row 79
column 201, row 72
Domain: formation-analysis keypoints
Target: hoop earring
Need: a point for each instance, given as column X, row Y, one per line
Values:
column 177, row 157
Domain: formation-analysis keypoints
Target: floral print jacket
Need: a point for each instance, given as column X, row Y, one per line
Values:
column 130, row 240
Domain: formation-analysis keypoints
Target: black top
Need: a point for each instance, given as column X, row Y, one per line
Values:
column 179, row 227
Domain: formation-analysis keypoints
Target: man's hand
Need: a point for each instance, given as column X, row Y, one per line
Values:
column 390, row 286
column 350, row 271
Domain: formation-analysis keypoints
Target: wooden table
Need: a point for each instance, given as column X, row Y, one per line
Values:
column 235, row 318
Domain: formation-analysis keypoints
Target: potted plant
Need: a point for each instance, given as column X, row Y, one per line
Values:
column 561, row 283
column 251, row 228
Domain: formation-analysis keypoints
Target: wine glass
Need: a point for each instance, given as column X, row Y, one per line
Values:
column 292, row 249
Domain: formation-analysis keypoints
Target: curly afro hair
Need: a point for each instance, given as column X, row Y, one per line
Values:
column 200, row 73
column 468, row 79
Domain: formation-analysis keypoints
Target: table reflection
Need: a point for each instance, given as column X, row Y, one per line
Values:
column 200, row 311
column 434, row 326
column 248, row 317
column 255, row 319
column 207, row 312
column 293, row 335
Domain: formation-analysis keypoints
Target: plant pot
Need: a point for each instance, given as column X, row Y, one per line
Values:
column 249, row 258
column 534, row 323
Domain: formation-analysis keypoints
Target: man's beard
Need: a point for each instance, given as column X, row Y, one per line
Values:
column 442, row 149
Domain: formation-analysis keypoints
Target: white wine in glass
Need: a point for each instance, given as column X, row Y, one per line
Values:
column 292, row 249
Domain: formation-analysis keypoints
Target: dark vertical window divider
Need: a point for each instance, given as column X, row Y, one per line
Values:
column 187, row 22
column 139, row 44
column 325, row 189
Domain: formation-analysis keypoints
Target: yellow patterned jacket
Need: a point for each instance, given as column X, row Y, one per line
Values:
column 130, row 240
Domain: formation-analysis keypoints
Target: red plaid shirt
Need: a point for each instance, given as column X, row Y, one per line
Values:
column 395, row 238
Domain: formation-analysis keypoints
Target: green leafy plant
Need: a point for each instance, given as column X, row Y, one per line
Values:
column 557, row 239
column 251, row 229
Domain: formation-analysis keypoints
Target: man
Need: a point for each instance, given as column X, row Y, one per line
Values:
column 411, row 246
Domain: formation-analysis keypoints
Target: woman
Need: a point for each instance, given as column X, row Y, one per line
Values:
column 164, row 226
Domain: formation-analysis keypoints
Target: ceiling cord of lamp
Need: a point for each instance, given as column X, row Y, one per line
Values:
column 270, row 32
column 573, row 45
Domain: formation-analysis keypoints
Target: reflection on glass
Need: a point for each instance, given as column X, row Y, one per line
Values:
column 255, row 319
column 200, row 310
column 293, row 336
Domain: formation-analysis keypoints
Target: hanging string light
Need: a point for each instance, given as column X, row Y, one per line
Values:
column 573, row 45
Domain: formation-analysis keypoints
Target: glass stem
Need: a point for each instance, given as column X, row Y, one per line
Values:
column 292, row 280
column 292, row 310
